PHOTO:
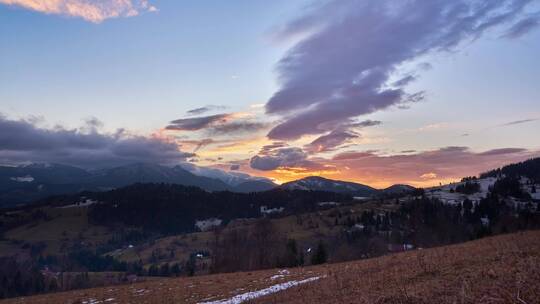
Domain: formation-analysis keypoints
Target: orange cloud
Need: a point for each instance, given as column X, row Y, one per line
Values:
column 422, row 169
column 93, row 11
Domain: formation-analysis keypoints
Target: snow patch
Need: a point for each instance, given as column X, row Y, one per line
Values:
column 324, row 204
column 85, row 203
column 248, row 296
column 266, row 210
column 23, row 179
column 205, row 225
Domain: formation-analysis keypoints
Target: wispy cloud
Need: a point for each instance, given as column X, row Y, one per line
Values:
column 343, row 66
column 205, row 109
column 523, row 26
column 197, row 123
column 90, row 10
column 518, row 122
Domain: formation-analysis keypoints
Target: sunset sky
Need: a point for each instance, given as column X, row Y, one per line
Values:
column 376, row 92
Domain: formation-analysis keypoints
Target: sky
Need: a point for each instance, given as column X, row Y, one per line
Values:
column 377, row 92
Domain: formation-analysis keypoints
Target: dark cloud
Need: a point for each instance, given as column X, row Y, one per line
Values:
column 234, row 167
column 352, row 155
column 197, row 123
column 22, row 141
column 199, row 144
column 365, row 123
column 330, row 141
column 352, row 48
column 235, row 127
column 343, row 132
column 270, row 159
column 518, row 122
column 503, row 151
column 404, row 81
column 205, row 109
column 523, row 26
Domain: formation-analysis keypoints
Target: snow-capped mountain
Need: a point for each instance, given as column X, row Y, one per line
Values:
column 230, row 178
column 323, row 184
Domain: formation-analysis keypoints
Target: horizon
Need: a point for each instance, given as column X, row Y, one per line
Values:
column 377, row 93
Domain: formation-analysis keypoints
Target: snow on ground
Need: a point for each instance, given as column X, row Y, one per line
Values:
column 85, row 203
column 23, row 179
column 446, row 196
column 248, row 296
column 205, row 225
column 266, row 210
column 281, row 274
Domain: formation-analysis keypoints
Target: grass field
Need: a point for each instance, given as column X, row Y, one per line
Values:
column 502, row 269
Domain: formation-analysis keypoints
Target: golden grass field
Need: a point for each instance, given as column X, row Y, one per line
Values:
column 501, row 269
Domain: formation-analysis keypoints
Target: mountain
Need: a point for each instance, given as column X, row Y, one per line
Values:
column 24, row 184
column 398, row 189
column 323, row 184
column 27, row 183
column 234, row 179
column 254, row 186
column 151, row 173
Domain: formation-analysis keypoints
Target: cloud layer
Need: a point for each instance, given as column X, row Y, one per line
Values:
column 344, row 66
column 425, row 168
column 91, row 10
column 22, row 141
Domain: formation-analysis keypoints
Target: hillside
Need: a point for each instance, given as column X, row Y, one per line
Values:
column 501, row 269
column 317, row 183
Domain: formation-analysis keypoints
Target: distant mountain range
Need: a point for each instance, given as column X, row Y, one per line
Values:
column 24, row 184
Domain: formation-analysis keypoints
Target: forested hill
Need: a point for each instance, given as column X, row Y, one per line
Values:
column 170, row 208
column 529, row 169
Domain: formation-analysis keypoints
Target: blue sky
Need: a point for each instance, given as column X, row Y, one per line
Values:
column 141, row 72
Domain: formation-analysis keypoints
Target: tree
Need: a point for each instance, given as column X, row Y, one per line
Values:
column 164, row 270
column 176, row 270
column 191, row 265
column 320, row 256
column 291, row 257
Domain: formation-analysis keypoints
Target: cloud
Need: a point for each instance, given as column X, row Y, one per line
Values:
column 423, row 168
column 234, row 167
column 330, row 141
column 197, row 123
column 237, row 127
column 352, row 155
column 272, row 158
column 198, row 144
column 523, row 26
column 518, row 122
column 205, row 109
column 503, row 151
column 429, row 175
column 90, row 10
column 350, row 50
column 343, row 132
column 22, row 141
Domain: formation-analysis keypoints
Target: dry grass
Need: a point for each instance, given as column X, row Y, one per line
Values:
column 502, row 269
